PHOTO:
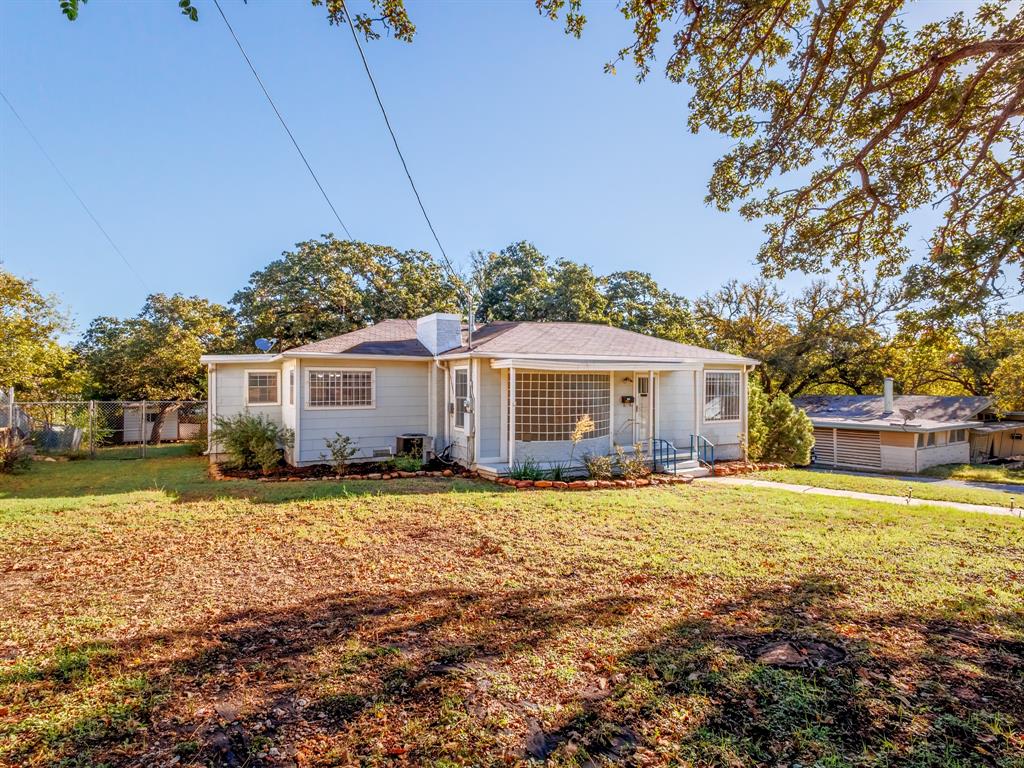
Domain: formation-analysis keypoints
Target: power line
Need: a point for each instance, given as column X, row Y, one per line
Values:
column 73, row 192
column 281, row 118
column 398, row 149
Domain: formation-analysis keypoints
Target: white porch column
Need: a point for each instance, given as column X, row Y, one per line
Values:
column 611, row 412
column 511, row 415
column 650, row 410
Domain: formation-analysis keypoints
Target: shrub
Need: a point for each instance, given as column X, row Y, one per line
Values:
column 634, row 465
column 342, row 448
column 527, row 469
column 778, row 430
column 14, row 454
column 252, row 442
column 599, row 466
column 405, row 462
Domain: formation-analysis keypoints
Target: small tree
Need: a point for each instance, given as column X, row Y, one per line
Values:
column 777, row 430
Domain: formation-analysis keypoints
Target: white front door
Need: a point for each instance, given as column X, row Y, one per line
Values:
column 643, row 406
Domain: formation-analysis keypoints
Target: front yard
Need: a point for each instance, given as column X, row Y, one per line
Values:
column 154, row 617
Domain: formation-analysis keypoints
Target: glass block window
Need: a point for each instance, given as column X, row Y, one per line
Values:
column 548, row 405
column 461, row 396
column 261, row 388
column 722, row 396
column 341, row 389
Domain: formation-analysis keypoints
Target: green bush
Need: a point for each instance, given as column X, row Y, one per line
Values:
column 14, row 454
column 777, row 429
column 252, row 442
column 599, row 466
column 342, row 448
column 560, row 470
column 407, row 463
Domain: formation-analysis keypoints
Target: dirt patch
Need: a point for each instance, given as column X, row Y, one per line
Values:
column 778, row 650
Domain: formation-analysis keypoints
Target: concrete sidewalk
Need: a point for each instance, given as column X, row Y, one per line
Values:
column 794, row 488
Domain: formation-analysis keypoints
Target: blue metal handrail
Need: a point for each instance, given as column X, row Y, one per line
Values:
column 704, row 449
column 665, row 454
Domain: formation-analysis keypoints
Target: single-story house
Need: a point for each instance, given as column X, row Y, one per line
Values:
column 907, row 433
column 513, row 392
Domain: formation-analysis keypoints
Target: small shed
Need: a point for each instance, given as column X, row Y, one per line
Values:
column 169, row 431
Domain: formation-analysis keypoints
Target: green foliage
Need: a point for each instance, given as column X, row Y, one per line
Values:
column 341, row 448
column 559, row 470
column 632, row 465
column 521, row 283
column 407, row 463
column 327, row 287
column 599, row 466
column 155, row 355
column 33, row 360
column 526, row 469
column 252, row 442
column 778, row 431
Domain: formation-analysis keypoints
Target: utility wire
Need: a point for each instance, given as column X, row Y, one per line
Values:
column 279, row 117
column 73, row 192
column 398, row 149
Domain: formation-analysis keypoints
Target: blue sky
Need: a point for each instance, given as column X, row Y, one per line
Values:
column 511, row 129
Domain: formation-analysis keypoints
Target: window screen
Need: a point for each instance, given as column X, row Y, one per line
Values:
column 262, row 387
column 461, row 396
column 548, row 405
column 721, row 396
column 958, row 436
column 341, row 389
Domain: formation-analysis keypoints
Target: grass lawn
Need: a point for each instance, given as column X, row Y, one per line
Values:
column 154, row 617
column 977, row 473
column 923, row 489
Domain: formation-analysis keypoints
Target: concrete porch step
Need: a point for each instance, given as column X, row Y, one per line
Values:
column 691, row 468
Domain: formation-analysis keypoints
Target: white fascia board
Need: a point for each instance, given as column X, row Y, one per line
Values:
column 592, row 364
column 240, row 358
column 890, row 427
column 503, row 360
column 347, row 356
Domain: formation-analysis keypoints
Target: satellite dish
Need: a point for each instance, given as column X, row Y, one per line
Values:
column 908, row 414
column 264, row 345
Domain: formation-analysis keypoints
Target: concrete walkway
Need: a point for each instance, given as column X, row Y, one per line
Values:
column 793, row 487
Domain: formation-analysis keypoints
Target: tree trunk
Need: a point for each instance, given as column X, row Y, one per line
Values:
column 158, row 424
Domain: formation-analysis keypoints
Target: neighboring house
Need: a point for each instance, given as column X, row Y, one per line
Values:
column 515, row 394
column 908, row 433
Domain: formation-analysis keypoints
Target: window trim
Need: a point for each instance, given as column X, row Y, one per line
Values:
column 291, row 386
column 277, row 386
column 704, row 397
column 307, row 403
column 455, row 398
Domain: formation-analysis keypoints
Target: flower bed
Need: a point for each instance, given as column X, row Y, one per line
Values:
column 739, row 467
column 593, row 485
column 326, row 472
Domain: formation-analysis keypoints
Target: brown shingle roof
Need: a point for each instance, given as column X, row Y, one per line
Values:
column 872, row 407
column 388, row 337
column 398, row 337
column 584, row 340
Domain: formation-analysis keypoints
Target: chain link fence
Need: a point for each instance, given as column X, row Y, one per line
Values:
column 106, row 428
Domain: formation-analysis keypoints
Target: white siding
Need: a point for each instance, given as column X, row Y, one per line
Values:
column 953, row 453
column 724, row 434
column 899, row 459
column 622, row 413
column 230, row 389
column 489, row 409
column 559, row 450
column 400, row 405
column 676, row 407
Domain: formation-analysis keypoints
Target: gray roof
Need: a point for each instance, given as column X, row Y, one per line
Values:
column 930, row 411
column 398, row 337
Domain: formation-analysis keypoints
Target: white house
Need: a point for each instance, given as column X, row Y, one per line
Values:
column 515, row 392
column 907, row 433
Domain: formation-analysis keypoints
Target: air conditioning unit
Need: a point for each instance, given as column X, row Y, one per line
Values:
column 418, row 444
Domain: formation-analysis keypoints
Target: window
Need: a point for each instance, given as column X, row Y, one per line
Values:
column 261, row 388
column 722, row 396
column 342, row 388
column 925, row 440
column 548, row 405
column 643, row 386
column 291, row 387
column 461, row 396
column 958, row 436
